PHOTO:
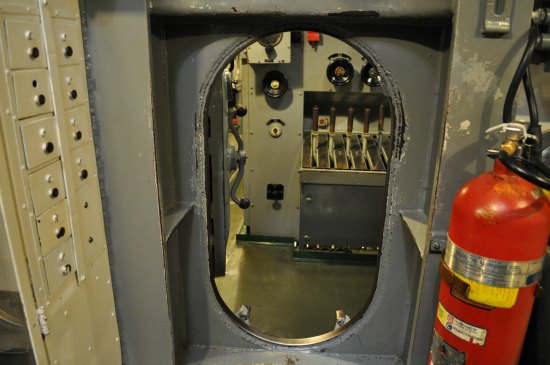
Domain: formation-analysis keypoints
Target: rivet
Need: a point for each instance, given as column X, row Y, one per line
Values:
column 79, row 161
column 28, row 35
column 55, row 218
column 61, row 256
column 63, row 37
column 42, row 132
column 68, row 80
column 73, row 121
column 66, row 313
column 49, row 178
column 116, row 339
column 82, row 278
column 89, row 348
column 97, row 277
column 108, row 282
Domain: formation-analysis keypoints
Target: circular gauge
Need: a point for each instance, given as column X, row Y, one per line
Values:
column 340, row 71
column 271, row 40
column 275, row 84
column 370, row 75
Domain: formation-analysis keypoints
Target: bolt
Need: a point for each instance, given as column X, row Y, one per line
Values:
column 435, row 246
column 308, row 199
column 306, row 237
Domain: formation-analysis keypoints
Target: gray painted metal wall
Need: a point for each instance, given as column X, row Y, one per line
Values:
column 438, row 95
column 118, row 55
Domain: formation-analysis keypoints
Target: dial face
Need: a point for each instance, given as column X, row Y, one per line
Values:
column 275, row 84
column 340, row 71
column 370, row 75
column 271, row 40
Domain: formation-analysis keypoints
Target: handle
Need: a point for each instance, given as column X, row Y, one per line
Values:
column 241, row 162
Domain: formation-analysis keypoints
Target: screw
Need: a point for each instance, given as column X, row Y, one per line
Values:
column 435, row 246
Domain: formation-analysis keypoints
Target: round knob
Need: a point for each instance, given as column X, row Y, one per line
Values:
column 34, row 53
column 244, row 203
column 40, row 100
column 48, row 148
column 68, row 51
column 54, row 193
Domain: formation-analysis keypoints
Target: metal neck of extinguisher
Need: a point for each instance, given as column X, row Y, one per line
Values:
column 516, row 153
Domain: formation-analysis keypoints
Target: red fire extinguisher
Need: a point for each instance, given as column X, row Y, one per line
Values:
column 497, row 239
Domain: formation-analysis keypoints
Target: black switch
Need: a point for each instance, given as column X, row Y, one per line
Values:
column 275, row 191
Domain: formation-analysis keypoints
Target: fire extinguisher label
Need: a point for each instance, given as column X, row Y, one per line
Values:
column 461, row 329
column 488, row 271
column 442, row 353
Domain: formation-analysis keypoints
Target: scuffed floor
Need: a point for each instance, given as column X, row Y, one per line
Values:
column 290, row 299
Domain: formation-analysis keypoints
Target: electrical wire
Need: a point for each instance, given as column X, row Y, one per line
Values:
column 531, row 99
column 519, row 74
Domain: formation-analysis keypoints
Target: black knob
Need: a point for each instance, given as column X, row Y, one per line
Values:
column 34, row 53
column 90, row 239
column 77, row 136
column 40, row 100
column 83, row 174
column 244, row 203
column 48, row 148
column 241, row 110
column 73, row 94
column 54, row 193
column 68, row 51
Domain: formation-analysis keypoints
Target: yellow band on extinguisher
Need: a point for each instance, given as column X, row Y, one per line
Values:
column 547, row 193
column 491, row 295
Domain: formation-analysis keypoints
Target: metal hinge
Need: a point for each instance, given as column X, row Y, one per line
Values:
column 42, row 321
column 497, row 17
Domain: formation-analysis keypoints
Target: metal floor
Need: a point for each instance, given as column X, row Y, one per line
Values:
column 288, row 298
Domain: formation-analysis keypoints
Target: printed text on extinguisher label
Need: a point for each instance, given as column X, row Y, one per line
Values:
column 461, row 329
column 498, row 273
